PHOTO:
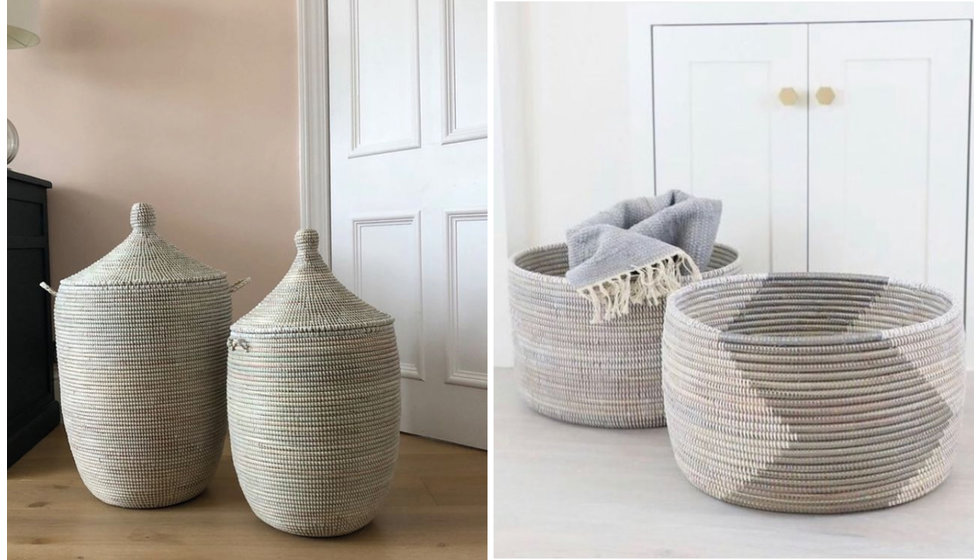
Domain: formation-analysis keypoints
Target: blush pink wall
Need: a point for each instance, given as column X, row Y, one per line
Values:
column 190, row 105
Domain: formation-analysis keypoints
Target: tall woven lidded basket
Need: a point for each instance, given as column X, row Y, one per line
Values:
column 605, row 375
column 314, row 402
column 141, row 345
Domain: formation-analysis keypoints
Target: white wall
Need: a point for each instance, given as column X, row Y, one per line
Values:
column 562, row 101
column 177, row 104
column 573, row 110
column 509, row 216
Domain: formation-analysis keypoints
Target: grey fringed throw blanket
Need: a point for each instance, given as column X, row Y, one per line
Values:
column 638, row 250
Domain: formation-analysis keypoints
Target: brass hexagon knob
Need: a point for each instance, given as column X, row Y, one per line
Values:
column 825, row 95
column 787, row 96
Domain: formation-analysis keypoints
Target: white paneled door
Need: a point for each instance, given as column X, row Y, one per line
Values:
column 889, row 111
column 833, row 146
column 408, row 194
column 723, row 131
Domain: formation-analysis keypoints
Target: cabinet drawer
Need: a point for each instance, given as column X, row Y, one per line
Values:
column 25, row 218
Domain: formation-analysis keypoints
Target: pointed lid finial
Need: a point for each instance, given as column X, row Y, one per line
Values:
column 142, row 217
column 307, row 242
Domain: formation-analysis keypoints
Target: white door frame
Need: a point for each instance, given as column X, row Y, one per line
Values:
column 314, row 120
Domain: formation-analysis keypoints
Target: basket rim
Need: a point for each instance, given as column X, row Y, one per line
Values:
column 673, row 312
column 67, row 284
column 530, row 274
column 313, row 331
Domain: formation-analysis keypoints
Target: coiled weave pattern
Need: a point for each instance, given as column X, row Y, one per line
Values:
column 141, row 345
column 814, row 393
column 314, row 402
column 605, row 375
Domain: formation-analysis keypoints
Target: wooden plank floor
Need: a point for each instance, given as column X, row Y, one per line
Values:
column 574, row 491
column 437, row 509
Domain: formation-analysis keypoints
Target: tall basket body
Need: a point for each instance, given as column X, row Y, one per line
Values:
column 314, row 402
column 141, row 342
column 605, row 375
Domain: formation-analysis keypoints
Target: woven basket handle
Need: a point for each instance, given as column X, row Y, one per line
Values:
column 46, row 288
column 235, row 343
column 239, row 285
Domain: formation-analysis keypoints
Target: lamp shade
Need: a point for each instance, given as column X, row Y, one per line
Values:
column 22, row 24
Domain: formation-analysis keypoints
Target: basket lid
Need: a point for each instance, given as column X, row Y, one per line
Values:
column 309, row 298
column 143, row 258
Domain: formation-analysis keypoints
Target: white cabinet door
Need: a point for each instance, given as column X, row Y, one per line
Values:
column 721, row 131
column 888, row 154
column 408, row 194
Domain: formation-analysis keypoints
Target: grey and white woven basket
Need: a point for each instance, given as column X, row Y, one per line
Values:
column 606, row 374
column 314, row 402
column 141, row 346
column 815, row 393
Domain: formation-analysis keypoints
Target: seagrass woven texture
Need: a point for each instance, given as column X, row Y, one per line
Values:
column 813, row 393
column 606, row 374
column 141, row 346
column 314, row 402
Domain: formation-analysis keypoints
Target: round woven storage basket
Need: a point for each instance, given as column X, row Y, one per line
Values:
column 141, row 346
column 606, row 374
column 815, row 393
column 314, row 402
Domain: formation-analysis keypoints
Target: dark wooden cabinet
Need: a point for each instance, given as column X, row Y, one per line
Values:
column 32, row 411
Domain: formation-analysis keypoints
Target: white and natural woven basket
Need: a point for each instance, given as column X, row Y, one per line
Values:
column 141, row 346
column 606, row 374
column 314, row 402
column 815, row 393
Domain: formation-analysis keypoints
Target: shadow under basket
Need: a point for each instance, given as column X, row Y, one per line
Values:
column 605, row 375
column 813, row 393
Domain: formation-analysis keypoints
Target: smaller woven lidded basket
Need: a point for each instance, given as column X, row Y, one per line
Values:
column 813, row 393
column 314, row 401
column 141, row 358
column 605, row 375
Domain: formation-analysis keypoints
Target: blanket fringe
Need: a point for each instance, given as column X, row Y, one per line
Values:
column 648, row 285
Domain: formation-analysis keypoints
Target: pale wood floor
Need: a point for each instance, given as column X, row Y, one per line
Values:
column 574, row 491
column 437, row 509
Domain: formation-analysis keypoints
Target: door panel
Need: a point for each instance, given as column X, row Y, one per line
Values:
column 384, row 79
column 888, row 155
column 466, row 70
column 382, row 244
column 467, row 232
column 408, row 194
column 721, row 131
